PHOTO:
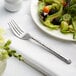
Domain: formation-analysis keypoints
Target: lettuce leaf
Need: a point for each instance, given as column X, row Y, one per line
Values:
column 72, row 10
column 53, row 1
column 73, row 2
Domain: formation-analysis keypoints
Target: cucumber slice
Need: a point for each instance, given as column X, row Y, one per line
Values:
column 66, row 17
column 64, row 26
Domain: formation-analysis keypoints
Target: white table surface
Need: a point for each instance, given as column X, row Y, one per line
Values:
column 33, row 53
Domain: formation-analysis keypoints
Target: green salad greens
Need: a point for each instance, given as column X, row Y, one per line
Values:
column 58, row 14
column 5, row 50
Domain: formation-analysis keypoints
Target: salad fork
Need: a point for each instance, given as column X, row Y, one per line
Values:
column 17, row 31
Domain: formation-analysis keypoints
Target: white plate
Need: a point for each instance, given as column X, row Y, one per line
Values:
column 54, row 33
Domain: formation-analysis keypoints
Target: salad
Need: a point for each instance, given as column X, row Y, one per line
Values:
column 58, row 15
column 5, row 50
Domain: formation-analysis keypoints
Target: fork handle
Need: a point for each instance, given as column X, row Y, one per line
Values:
column 68, row 61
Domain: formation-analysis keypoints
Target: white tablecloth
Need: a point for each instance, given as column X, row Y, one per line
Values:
column 17, row 68
column 33, row 52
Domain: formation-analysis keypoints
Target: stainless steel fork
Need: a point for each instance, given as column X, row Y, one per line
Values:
column 26, row 36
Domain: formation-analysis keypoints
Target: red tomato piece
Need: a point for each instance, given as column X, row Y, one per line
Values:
column 46, row 9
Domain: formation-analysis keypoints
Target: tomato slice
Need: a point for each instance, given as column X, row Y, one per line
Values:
column 46, row 9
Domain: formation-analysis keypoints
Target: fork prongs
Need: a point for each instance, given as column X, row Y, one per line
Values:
column 15, row 28
column 13, row 21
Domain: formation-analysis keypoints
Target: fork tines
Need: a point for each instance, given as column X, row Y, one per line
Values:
column 14, row 27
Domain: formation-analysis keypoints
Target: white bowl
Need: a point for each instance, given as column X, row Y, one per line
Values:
column 2, row 66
